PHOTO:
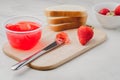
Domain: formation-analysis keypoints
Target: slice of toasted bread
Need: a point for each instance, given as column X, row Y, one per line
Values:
column 66, row 10
column 65, row 26
column 60, row 20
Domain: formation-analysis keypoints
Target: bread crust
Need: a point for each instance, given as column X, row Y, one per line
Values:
column 66, row 26
column 65, row 13
column 61, row 20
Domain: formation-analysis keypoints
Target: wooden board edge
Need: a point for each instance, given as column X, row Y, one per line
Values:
column 9, row 55
column 53, row 66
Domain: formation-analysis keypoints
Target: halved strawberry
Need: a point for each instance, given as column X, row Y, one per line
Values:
column 117, row 10
column 104, row 11
column 85, row 33
column 111, row 13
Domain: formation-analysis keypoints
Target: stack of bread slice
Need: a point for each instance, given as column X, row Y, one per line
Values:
column 65, row 17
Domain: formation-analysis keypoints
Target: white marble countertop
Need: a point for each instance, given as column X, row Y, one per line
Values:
column 100, row 63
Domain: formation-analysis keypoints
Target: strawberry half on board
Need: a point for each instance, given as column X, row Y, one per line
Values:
column 85, row 34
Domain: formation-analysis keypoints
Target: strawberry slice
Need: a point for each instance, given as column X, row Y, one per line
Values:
column 62, row 37
column 85, row 34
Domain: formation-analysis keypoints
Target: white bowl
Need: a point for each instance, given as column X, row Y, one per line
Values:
column 110, row 22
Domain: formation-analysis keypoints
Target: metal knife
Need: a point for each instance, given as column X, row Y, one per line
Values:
column 24, row 62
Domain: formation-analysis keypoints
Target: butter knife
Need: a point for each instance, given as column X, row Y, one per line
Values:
column 24, row 62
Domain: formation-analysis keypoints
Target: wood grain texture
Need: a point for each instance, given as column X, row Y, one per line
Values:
column 58, row 56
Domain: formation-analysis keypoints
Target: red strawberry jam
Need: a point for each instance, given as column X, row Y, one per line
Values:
column 62, row 37
column 23, row 35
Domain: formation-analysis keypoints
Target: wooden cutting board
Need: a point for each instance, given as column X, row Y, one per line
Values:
column 59, row 55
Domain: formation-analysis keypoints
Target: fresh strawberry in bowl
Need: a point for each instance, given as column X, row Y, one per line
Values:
column 108, row 14
column 104, row 11
column 117, row 10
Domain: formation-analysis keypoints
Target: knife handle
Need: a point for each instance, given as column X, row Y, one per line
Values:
column 27, row 60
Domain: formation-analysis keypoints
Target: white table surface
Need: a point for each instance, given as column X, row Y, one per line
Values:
column 100, row 63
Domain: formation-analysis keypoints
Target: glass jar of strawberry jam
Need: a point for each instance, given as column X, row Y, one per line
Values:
column 23, row 32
